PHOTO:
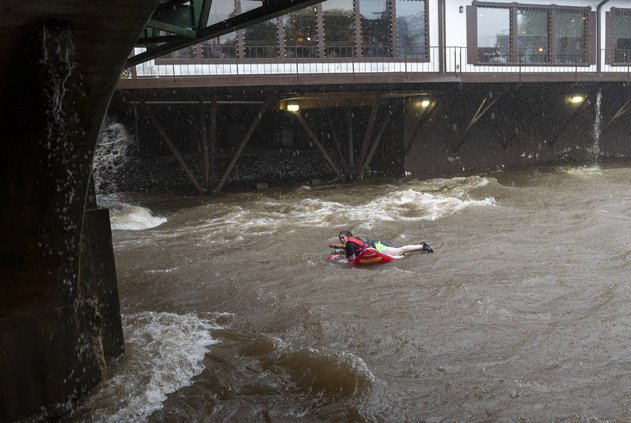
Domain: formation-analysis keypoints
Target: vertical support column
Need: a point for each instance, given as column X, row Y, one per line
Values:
column 394, row 50
column 516, row 54
column 322, row 53
column 358, row 32
column 208, row 140
column 351, row 147
column 441, row 36
column 203, row 140
column 552, row 46
column 48, row 330
column 212, row 147
column 472, row 39
column 240, row 41
column 98, row 279
column 281, row 39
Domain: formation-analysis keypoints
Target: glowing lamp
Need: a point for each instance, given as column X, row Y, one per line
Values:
column 577, row 99
column 293, row 107
column 425, row 103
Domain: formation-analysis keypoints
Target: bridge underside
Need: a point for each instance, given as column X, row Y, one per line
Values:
column 221, row 136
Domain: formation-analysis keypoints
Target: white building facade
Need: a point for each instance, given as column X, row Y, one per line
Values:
column 417, row 40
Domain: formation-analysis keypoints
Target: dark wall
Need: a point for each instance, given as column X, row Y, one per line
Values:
column 523, row 126
column 280, row 151
column 469, row 128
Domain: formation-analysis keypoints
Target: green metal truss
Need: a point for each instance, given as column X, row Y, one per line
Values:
column 176, row 24
column 177, row 17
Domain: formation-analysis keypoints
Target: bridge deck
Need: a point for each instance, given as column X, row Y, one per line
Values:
column 448, row 65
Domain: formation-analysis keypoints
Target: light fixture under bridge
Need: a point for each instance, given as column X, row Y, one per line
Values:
column 576, row 99
column 289, row 105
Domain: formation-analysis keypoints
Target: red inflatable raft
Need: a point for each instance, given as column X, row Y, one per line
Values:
column 367, row 257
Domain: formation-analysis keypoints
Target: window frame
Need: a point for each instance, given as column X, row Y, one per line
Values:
column 197, row 57
column 395, row 33
column 610, row 40
column 552, row 56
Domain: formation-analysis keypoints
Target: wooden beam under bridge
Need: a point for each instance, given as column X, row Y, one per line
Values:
column 208, row 141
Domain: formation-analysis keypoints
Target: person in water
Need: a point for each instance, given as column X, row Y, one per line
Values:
column 355, row 245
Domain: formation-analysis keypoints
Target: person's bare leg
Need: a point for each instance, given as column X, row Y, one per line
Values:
column 399, row 251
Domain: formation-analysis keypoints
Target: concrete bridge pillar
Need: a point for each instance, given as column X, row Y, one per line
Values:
column 59, row 316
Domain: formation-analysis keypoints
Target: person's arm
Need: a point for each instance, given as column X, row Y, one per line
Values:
column 350, row 249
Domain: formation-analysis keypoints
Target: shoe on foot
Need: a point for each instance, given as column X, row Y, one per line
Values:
column 426, row 247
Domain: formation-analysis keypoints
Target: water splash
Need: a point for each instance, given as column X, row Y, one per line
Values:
column 597, row 130
column 124, row 216
column 164, row 352
column 114, row 159
column 64, row 165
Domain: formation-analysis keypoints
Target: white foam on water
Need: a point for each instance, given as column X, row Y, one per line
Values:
column 155, row 271
column 413, row 205
column 163, row 353
column 426, row 200
column 133, row 218
column 430, row 200
column 594, row 170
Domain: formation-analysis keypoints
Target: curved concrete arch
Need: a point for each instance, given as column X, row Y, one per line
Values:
column 58, row 322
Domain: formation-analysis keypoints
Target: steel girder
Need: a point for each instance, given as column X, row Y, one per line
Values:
column 176, row 24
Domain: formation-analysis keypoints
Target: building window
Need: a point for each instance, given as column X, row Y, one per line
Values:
column 528, row 35
column 339, row 28
column 222, row 47
column 376, row 29
column 532, row 36
column 260, row 41
column 411, row 24
column 334, row 28
column 622, row 34
column 225, row 46
column 569, row 37
column 619, row 36
column 301, row 33
column 493, row 30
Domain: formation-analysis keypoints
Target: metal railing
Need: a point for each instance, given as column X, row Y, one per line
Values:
column 305, row 60
column 622, row 56
column 491, row 56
